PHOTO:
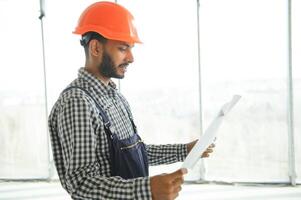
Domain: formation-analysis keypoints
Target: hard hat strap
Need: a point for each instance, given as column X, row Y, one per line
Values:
column 87, row 37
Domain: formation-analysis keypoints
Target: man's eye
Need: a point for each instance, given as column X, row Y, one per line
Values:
column 122, row 48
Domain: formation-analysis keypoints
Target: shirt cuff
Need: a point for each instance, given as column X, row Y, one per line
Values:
column 142, row 188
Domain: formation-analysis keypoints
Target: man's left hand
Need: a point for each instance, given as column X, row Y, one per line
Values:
column 206, row 153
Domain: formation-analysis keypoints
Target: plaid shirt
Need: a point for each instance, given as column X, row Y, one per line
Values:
column 80, row 148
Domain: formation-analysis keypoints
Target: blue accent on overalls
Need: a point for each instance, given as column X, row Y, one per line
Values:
column 128, row 157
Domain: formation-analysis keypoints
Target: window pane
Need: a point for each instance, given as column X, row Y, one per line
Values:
column 296, row 42
column 162, row 84
column 244, row 51
column 64, row 53
column 23, row 133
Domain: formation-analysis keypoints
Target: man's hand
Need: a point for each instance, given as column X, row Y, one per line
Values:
column 206, row 153
column 167, row 186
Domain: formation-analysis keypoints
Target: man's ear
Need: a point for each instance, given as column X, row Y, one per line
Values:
column 95, row 48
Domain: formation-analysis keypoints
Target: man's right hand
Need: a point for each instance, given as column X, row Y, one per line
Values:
column 167, row 186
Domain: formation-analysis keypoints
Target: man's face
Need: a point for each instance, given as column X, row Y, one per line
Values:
column 115, row 59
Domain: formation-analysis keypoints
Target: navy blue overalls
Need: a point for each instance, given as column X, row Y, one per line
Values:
column 128, row 157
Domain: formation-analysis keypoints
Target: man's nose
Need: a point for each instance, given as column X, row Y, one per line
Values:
column 129, row 57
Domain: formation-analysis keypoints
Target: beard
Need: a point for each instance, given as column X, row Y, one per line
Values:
column 107, row 67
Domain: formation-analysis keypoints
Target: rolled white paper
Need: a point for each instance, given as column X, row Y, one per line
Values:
column 210, row 134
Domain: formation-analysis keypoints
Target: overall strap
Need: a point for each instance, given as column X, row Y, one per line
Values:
column 129, row 113
column 103, row 114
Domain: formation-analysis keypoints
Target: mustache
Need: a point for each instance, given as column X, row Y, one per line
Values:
column 124, row 64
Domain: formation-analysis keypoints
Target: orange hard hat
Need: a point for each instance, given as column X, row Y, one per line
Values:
column 110, row 20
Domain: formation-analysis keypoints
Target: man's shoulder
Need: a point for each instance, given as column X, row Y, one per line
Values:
column 74, row 90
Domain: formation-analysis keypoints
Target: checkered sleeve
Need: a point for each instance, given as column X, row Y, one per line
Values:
column 166, row 154
column 86, row 173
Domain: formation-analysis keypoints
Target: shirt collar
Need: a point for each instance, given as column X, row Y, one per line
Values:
column 109, row 89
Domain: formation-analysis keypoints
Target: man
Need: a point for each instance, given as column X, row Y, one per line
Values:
column 97, row 151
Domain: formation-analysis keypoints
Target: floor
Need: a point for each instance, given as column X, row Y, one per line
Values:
column 52, row 191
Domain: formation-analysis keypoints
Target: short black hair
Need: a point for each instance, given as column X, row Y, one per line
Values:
column 87, row 37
